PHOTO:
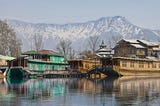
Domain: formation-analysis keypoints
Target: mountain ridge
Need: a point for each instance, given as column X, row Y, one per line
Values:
column 104, row 27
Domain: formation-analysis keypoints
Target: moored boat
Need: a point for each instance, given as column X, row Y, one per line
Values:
column 136, row 66
column 39, row 63
column 132, row 58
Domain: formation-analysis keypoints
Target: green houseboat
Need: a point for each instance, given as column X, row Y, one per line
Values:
column 40, row 63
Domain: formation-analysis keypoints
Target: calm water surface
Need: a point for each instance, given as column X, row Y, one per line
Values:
column 124, row 91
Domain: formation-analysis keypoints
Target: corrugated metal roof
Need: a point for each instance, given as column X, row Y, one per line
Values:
column 153, row 58
column 148, row 43
column 131, row 41
column 156, row 49
column 138, row 46
column 47, row 52
column 6, row 57
column 42, row 52
column 104, row 50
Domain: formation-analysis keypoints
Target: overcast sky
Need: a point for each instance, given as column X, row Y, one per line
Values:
column 143, row 13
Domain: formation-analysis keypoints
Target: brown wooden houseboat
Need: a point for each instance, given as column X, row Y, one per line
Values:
column 131, row 57
column 83, row 66
column 136, row 57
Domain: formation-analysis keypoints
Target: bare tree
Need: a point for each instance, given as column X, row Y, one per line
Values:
column 9, row 44
column 93, row 43
column 86, row 54
column 38, row 42
column 15, row 48
column 111, row 42
column 64, row 47
column 71, row 53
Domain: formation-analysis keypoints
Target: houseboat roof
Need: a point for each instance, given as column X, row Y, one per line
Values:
column 2, row 57
column 156, row 49
column 148, row 43
column 84, row 60
column 42, row 52
column 136, row 58
column 103, row 50
column 145, row 42
column 138, row 46
column 153, row 58
column 130, row 41
column 47, row 52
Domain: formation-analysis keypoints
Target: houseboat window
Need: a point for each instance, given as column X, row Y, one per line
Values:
column 140, row 52
column 93, row 66
column 124, row 64
column 80, row 64
column 53, row 59
column 154, row 65
column 63, row 67
column 52, row 68
column 56, row 67
column 115, row 62
column 132, row 51
column 36, row 67
column 148, row 65
column 33, row 66
column 44, row 67
column 141, row 65
column 30, row 66
column 62, row 60
column 48, row 67
column 87, row 66
column 59, row 68
column 75, row 65
column 132, row 64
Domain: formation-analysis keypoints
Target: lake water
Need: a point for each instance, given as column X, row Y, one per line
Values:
column 124, row 91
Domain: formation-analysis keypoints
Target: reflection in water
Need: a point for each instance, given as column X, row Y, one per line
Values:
column 141, row 91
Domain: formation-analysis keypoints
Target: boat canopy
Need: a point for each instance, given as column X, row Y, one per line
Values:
column 7, row 58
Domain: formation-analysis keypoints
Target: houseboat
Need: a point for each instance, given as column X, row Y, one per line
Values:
column 83, row 65
column 136, row 66
column 134, row 57
column 39, row 63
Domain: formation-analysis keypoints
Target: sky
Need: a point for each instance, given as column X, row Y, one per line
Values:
column 143, row 13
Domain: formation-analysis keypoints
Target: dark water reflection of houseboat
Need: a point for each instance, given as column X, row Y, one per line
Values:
column 79, row 92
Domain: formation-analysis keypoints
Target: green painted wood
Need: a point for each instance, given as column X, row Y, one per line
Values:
column 56, row 63
column 18, row 72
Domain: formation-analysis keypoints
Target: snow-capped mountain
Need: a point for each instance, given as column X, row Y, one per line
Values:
column 78, row 33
